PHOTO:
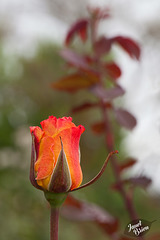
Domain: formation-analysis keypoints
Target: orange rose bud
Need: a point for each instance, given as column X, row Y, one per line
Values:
column 57, row 164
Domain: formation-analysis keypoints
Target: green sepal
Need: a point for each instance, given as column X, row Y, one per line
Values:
column 55, row 199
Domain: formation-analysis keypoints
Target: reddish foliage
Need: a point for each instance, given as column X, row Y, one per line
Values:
column 74, row 59
column 76, row 210
column 84, row 106
column 127, row 164
column 107, row 94
column 90, row 60
column 113, row 70
column 125, row 118
column 90, row 73
column 75, row 82
column 80, row 62
column 98, row 127
column 102, row 46
column 130, row 46
column 108, row 105
column 79, row 28
column 89, row 105
column 141, row 181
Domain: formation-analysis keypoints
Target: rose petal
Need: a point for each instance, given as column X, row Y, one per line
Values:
column 45, row 162
column 38, row 134
column 64, row 123
column 49, row 125
column 70, row 138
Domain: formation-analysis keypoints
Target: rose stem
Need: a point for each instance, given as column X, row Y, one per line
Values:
column 54, row 219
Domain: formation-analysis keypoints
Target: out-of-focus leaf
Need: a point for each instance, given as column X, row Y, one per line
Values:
column 80, row 28
column 125, row 118
column 141, row 181
column 75, row 82
column 84, row 106
column 107, row 94
column 76, row 210
column 102, row 46
column 75, row 59
column 113, row 70
column 129, row 45
column 98, row 127
column 90, row 60
column 83, row 33
column 127, row 164
column 108, row 104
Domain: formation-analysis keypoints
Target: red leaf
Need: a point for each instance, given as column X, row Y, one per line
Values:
column 71, row 201
column 74, row 59
column 141, row 181
column 127, row 164
column 80, row 27
column 125, row 118
column 84, row 107
column 108, row 105
column 76, row 210
column 102, row 46
column 89, row 59
column 108, row 94
column 83, row 34
column 78, row 61
column 113, row 70
column 130, row 46
column 75, row 82
column 98, row 127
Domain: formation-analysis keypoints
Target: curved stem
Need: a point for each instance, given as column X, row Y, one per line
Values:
column 54, row 219
column 99, row 174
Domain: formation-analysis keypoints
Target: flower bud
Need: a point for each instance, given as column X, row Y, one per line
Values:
column 57, row 165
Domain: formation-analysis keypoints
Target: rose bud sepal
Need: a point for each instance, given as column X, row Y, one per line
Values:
column 33, row 160
column 61, row 179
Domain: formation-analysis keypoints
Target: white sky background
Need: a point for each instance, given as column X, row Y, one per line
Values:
column 31, row 21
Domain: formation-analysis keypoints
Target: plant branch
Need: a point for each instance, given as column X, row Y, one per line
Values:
column 109, row 140
column 110, row 145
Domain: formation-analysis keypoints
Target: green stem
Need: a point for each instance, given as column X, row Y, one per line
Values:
column 54, row 219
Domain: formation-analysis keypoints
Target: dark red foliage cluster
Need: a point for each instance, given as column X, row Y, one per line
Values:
column 92, row 72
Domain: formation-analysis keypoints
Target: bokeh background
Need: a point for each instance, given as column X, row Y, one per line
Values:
column 31, row 34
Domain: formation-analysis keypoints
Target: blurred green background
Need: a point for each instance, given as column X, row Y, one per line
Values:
column 26, row 98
